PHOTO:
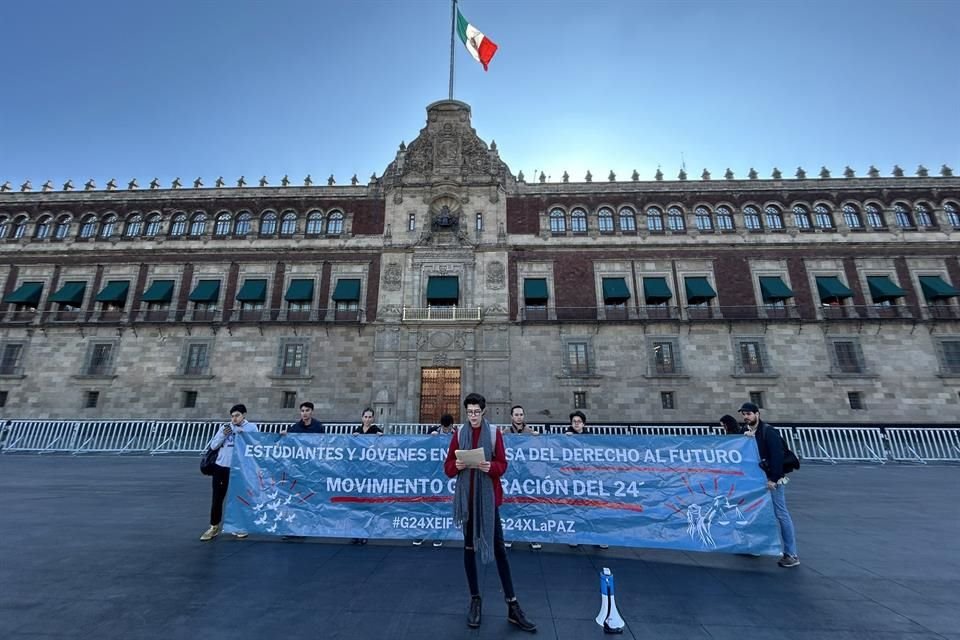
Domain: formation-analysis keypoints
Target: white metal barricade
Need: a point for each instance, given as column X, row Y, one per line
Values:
column 924, row 445
column 182, row 437
column 840, row 444
column 42, row 436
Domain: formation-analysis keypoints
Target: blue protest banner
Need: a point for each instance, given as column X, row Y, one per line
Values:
column 696, row 493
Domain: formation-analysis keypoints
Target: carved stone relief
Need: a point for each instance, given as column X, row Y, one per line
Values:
column 496, row 276
column 392, row 277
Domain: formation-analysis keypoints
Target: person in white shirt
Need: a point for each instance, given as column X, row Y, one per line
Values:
column 223, row 441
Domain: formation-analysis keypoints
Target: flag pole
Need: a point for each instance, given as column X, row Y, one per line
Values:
column 453, row 29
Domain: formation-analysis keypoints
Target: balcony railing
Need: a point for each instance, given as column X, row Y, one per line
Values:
column 431, row 314
column 175, row 315
column 706, row 313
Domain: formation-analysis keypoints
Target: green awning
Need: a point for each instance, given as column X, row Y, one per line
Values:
column 27, row 294
column 159, row 291
column 615, row 291
column 882, row 289
column 773, row 289
column 253, row 291
column 71, row 294
column 347, row 290
column 698, row 290
column 115, row 292
column 443, row 289
column 934, row 288
column 535, row 290
column 656, row 291
column 832, row 290
column 205, row 291
column 299, row 291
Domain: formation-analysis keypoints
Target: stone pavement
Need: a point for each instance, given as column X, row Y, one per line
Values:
column 107, row 547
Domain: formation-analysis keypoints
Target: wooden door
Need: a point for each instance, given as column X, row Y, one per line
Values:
column 439, row 394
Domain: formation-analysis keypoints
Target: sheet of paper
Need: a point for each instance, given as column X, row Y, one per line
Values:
column 471, row 457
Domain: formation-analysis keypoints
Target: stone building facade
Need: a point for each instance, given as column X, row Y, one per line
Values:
column 821, row 298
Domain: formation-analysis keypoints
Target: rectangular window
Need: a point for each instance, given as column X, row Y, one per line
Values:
column 101, row 359
column 91, row 400
column 751, row 358
column 756, row 397
column 667, row 400
column 579, row 399
column 855, row 398
column 289, row 399
column 577, row 363
column 479, row 221
column 292, row 364
column 3, row 399
column 197, row 359
column 11, row 359
column 189, row 399
column 847, row 357
column 663, row 358
column 950, row 356
column 412, row 222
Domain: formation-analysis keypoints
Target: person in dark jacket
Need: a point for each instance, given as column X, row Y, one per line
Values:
column 476, row 507
column 770, row 447
column 306, row 424
column 730, row 425
column 366, row 426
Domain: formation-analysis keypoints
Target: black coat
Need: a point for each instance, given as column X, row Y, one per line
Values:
column 770, row 447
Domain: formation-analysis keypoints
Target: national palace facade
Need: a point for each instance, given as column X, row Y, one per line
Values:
column 822, row 298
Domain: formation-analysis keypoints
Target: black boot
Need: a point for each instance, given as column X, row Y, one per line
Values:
column 473, row 618
column 516, row 616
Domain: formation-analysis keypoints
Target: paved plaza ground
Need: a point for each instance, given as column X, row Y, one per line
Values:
column 105, row 547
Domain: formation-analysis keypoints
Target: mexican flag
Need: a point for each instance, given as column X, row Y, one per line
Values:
column 480, row 46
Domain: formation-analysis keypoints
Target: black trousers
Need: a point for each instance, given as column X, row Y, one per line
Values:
column 499, row 554
column 221, row 478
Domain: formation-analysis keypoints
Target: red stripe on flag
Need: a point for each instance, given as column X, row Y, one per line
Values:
column 486, row 50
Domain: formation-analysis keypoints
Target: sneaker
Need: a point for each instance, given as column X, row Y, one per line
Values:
column 602, row 546
column 508, row 545
column 210, row 533
column 789, row 561
column 536, row 546
column 240, row 534
column 574, row 546
column 438, row 543
column 418, row 542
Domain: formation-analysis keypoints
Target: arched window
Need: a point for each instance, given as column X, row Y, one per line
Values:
column 108, row 226
column 314, row 223
column 628, row 219
column 773, row 217
column 675, row 219
column 724, row 218
column 42, row 229
column 62, row 230
column 851, row 215
column 221, row 225
column 19, row 227
column 704, row 220
column 89, row 226
column 801, row 217
column 4, row 226
column 875, row 217
column 654, row 220
column 578, row 221
column 288, row 223
column 558, row 221
column 198, row 224
column 268, row 224
column 134, row 225
column 902, row 214
column 751, row 218
column 822, row 217
column 244, row 224
column 605, row 220
column 178, row 226
column 153, row 225
column 334, row 223
column 952, row 212
column 921, row 213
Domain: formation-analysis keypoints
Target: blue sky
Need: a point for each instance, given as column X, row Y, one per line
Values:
column 120, row 89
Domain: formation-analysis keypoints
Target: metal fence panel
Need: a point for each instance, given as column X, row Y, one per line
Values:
column 924, row 445
column 841, row 444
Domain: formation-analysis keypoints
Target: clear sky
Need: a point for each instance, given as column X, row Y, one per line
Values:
column 127, row 88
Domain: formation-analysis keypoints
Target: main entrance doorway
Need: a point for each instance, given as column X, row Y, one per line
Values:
column 439, row 394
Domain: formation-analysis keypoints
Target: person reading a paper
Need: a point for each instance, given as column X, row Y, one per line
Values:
column 477, row 459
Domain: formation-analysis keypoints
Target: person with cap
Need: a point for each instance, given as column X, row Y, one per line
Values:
column 770, row 447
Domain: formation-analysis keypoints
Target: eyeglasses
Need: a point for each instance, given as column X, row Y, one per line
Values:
column 474, row 412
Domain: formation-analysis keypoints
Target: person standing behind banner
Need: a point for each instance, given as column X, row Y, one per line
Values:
column 578, row 427
column 444, row 428
column 770, row 447
column 306, row 424
column 476, row 501
column 730, row 425
column 366, row 428
column 223, row 440
column 518, row 426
